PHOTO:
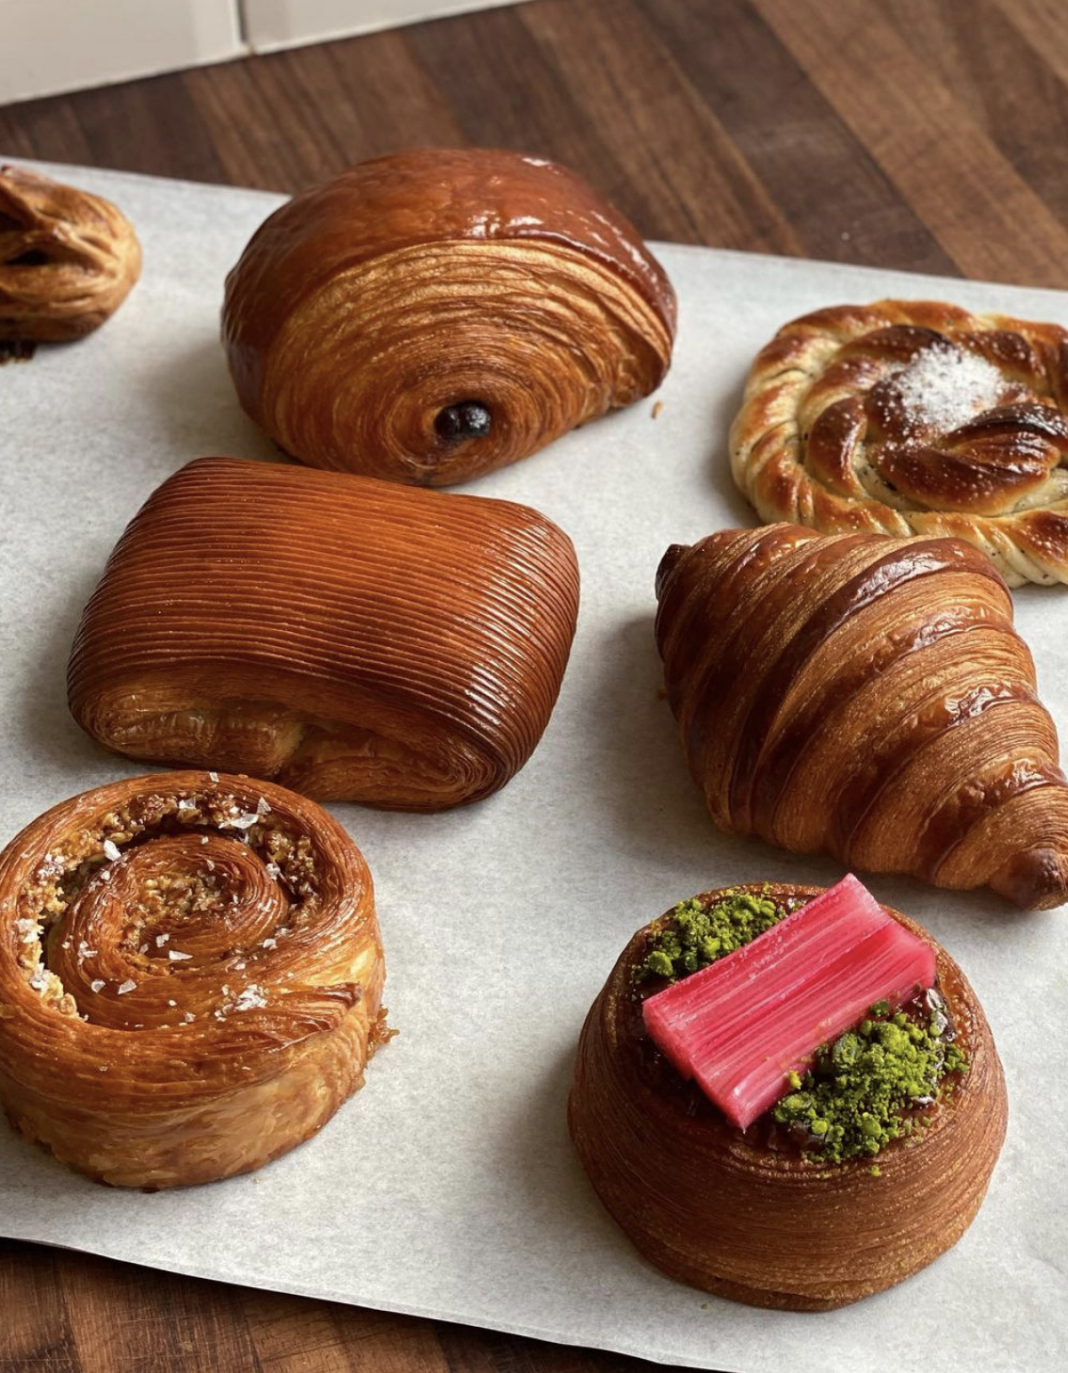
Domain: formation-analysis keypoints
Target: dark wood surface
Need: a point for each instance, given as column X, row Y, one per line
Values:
column 922, row 134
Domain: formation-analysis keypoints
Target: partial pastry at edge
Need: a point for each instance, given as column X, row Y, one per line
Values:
column 869, row 698
column 914, row 417
column 68, row 259
column 190, row 977
column 433, row 315
column 353, row 639
column 763, row 1215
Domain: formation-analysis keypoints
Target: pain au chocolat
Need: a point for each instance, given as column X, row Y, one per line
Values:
column 350, row 638
column 869, row 698
column 67, row 259
column 769, row 1215
column 433, row 315
column 190, row 977
column 914, row 417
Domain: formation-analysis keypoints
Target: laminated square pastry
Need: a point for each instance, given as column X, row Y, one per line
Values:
column 350, row 638
column 432, row 315
column 914, row 417
column 788, row 1096
column 190, row 977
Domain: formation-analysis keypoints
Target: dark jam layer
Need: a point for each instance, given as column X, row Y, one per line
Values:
column 875, row 1083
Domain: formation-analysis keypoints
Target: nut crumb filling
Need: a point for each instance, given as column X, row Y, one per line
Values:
column 186, row 886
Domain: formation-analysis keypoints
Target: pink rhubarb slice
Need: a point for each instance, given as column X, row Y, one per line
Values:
column 739, row 1026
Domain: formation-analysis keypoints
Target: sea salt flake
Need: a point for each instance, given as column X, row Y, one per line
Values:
column 943, row 387
column 28, row 930
column 128, row 986
column 97, row 985
column 161, row 939
column 203, row 839
column 273, row 871
column 250, row 998
column 214, row 776
column 143, row 949
column 177, row 957
column 111, row 850
column 240, row 822
column 84, row 951
column 263, row 806
column 39, row 980
column 240, row 967
column 172, row 1003
column 186, row 804
column 189, row 1017
column 104, row 874
column 270, row 943
column 103, row 1068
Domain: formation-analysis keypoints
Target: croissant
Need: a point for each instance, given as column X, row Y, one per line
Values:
column 914, row 417
column 869, row 698
column 757, row 1215
column 431, row 316
column 353, row 639
column 67, row 259
column 190, row 977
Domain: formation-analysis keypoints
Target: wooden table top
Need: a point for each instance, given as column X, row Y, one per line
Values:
column 922, row 134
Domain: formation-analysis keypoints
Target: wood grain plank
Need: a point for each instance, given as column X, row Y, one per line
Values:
column 134, row 1320
column 676, row 172
column 1008, row 86
column 840, row 204
column 35, row 1333
column 949, row 171
column 295, row 1336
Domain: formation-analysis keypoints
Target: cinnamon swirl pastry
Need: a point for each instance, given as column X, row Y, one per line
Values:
column 190, row 977
column 914, row 417
column 353, row 639
column 869, row 698
column 871, row 1164
column 433, row 315
column 67, row 259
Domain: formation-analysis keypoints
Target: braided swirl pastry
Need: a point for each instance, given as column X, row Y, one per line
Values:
column 354, row 639
column 431, row 316
column 869, row 698
column 67, row 259
column 190, row 977
column 914, row 417
column 729, row 1212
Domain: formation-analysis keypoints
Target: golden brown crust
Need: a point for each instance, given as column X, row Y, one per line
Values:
column 67, row 259
column 826, row 436
column 190, row 977
column 869, row 698
column 413, row 283
column 353, row 639
column 721, row 1210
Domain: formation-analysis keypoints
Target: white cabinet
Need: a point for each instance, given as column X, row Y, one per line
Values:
column 272, row 24
column 62, row 45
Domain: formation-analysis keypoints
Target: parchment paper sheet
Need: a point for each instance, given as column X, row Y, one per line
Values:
column 447, row 1187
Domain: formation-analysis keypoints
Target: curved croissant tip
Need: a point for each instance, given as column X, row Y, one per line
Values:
column 1036, row 880
column 668, row 563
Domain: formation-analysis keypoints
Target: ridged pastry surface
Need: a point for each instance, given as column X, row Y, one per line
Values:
column 914, row 417
column 350, row 638
column 866, row 697
column 722, row 1210
column 67, row 259
column 190, row 977
column 365, row 309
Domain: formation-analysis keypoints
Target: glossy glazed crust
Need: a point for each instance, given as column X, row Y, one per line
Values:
column 190, row 977
column 364, row 307
column 820, row 440
column 350, row 638
column 67, row 259
column 869, row 698
column 719, row 1209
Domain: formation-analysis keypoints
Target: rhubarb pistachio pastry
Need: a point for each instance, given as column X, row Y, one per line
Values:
column 788, row 1096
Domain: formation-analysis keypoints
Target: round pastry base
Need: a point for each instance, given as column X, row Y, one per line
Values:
column 725, row 1211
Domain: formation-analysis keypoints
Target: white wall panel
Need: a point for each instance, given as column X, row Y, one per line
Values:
column 48, row 46
column 272, row 24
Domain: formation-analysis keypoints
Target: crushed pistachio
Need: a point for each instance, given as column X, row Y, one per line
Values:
column 697, row 933
column 864, row 1089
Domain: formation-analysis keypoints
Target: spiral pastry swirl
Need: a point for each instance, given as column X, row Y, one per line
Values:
column 914, row 417
column 869, row 698
column 434, row 315
column 67, row 259
column 746, row 1216
column 190, row 977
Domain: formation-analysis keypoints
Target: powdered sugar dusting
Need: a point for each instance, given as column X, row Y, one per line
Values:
column 943, row 387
